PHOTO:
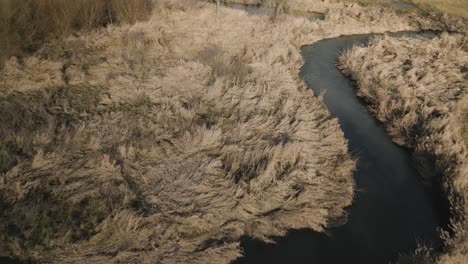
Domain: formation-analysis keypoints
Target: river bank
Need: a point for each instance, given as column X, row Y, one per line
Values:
column 393, row 212
column 419, row 94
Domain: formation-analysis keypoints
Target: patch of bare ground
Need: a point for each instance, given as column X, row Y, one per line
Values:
column 418, row 89
column 168, row 140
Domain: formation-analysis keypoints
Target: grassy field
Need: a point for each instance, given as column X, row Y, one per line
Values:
column 166, row 141
column 26, row 25
column 170, row 139
column 451, row 7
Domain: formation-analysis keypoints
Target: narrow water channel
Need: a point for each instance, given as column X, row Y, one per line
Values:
column 392, row 213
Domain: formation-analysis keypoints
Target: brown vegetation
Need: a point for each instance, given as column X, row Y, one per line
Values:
column 418, row 89
column 26, row 25
column 464, row 119
column 168, row 140
column 450, row 7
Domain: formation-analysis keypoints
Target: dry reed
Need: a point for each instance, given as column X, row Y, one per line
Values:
column 169, row 140
column 27, row 25
column 417, row 88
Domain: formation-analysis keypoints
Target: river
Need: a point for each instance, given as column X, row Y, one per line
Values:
column 393, row 211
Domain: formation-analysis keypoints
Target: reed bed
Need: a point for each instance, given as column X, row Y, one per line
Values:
column 26, row 25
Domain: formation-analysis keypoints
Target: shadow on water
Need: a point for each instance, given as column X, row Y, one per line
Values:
column 392, row 212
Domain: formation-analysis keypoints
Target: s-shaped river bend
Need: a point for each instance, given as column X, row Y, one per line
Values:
column 392, row 213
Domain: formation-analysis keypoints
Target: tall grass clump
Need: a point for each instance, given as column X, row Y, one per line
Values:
column 131, row 11
column 278, row 6
column 451, row 7
column 25, row 25
column 232, row 68
column 46, row 111
column 464, row 119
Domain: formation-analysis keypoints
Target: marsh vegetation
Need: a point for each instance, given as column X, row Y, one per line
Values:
column 148, row 142
column 26, row 25
column 451, row 7
column 166, row 139
column 418, row 90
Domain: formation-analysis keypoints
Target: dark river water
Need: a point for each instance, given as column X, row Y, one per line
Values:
column 392, row 213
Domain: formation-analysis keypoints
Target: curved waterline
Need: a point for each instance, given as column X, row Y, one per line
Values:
column 392, row 213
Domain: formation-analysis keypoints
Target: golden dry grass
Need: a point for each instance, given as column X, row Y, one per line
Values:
column 376, row 2
column 451, row 7
column 417, row 88
column 464, row 119
column 26, row 25
column 169, row 140
column 130, row 11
